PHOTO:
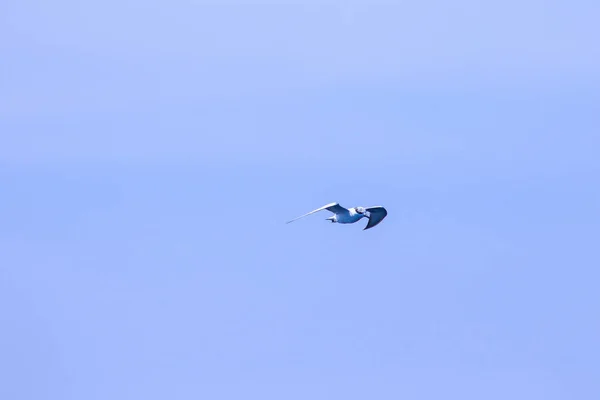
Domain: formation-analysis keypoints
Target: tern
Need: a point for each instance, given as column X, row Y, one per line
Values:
column 343, row 215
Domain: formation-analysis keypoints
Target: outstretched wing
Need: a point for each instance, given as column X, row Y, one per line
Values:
column 376, row 215
column 333, row 207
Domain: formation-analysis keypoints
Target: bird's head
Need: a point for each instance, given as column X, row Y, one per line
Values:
column 360, row 210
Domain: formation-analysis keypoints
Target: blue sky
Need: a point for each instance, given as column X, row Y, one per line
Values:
column 151, row 153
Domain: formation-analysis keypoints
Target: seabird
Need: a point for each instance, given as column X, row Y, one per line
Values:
column 343, row 215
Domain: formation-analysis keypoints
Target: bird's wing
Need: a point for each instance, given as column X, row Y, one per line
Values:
column 333, row 207
column 376, row 215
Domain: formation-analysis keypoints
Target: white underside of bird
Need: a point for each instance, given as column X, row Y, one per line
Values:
column 342, row 215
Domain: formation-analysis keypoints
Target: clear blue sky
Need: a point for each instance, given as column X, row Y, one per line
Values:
column 150, row 153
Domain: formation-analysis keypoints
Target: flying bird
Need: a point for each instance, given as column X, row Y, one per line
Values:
column 343, row 215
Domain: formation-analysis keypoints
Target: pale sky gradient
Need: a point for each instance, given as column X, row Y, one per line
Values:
column 150, row 153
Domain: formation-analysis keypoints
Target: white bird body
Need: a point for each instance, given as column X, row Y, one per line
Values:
column 349, row 216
